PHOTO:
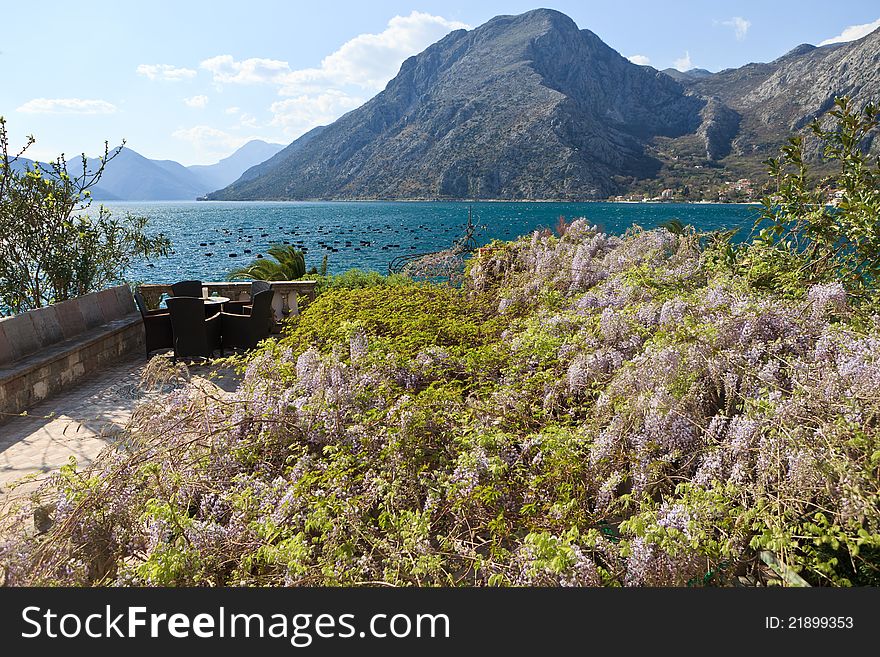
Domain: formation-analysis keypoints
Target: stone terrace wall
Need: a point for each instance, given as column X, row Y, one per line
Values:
column 45, row 350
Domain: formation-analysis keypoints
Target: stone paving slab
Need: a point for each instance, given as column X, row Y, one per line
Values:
column 79, row 422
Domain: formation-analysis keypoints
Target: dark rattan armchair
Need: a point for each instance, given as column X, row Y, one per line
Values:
column 193, row 289
column 244, row 307
column 186, row 289
column 157, row 326
column 194, row 334
column 245, row 331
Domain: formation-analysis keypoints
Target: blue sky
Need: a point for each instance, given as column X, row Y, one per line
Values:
column 193, row 80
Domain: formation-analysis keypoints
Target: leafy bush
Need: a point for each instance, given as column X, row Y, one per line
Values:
column 412, row 316
column 51, row 250
column 358, row 278
column 803, row 240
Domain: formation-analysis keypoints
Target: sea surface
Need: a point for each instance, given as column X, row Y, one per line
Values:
column 212, row 238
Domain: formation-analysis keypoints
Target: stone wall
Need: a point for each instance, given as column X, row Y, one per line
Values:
column 46, row 350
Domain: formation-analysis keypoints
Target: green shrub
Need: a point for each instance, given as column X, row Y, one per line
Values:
column 358, row 278
column 801, row 239
column 406, row 315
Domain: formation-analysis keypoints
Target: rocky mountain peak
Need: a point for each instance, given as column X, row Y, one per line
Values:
column 531, row 106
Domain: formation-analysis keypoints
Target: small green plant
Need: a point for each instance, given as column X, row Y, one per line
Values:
column 675, row 226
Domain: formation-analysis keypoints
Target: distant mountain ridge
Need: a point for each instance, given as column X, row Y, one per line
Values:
column 229, row 169
column 130, row 176
column 687, row 76
column 532, row 107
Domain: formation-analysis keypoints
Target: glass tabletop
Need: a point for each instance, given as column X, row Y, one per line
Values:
column 210, row 300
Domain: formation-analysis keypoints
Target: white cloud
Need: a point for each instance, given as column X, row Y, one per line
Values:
column 203, row 134
column 256, row 70
column 247, row 120
column 683, row 63
column 740, row 26
column 344, row 80
column 370, row 60
column 66, row 106
column 641, row 60
column 165, row 72
column 197, row 102
column 298, row 115
column 852, row 33
column 211, row 144
column 367, row 61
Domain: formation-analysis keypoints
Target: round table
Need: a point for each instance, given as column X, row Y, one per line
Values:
column 214, row 305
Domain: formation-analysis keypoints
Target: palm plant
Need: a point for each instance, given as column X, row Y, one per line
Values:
column 288, row 264
column 674, row 226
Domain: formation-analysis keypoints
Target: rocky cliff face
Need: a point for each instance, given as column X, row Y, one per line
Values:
column 530, row 106
column 718, row 128
column 783, row 96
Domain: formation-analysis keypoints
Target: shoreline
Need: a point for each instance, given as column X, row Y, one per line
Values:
column 426, row 200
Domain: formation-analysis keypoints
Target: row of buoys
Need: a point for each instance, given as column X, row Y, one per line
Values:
column 338, row 229
column 335, row 230
column 305, row 249
column 210, row 254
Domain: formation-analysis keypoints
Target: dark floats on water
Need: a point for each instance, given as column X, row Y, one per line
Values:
column 212, row 238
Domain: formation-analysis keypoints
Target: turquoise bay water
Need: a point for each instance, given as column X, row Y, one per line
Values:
column 370, row 234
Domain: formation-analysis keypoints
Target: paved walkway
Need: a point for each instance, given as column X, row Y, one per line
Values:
column 79, row 422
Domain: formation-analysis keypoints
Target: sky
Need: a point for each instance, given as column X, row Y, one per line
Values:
column 192, row 80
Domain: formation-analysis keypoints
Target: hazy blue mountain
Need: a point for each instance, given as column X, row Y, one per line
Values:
column 21, row 164
column 74, row 167
column 131, row 177
column 229, row 169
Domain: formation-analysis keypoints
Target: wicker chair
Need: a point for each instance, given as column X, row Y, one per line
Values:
column 193, row 289
column 244, row 307
column 245, row 331
column 186, row 289
column 157, row 326
column 195, row 336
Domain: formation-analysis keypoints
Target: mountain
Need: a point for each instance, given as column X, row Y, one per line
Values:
column 231, row 168
column 531, row 106
column 786, row 94
column 687, row 76
column 524, row 106
column 74, row 168
column 130, row 176
column 260, row 169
